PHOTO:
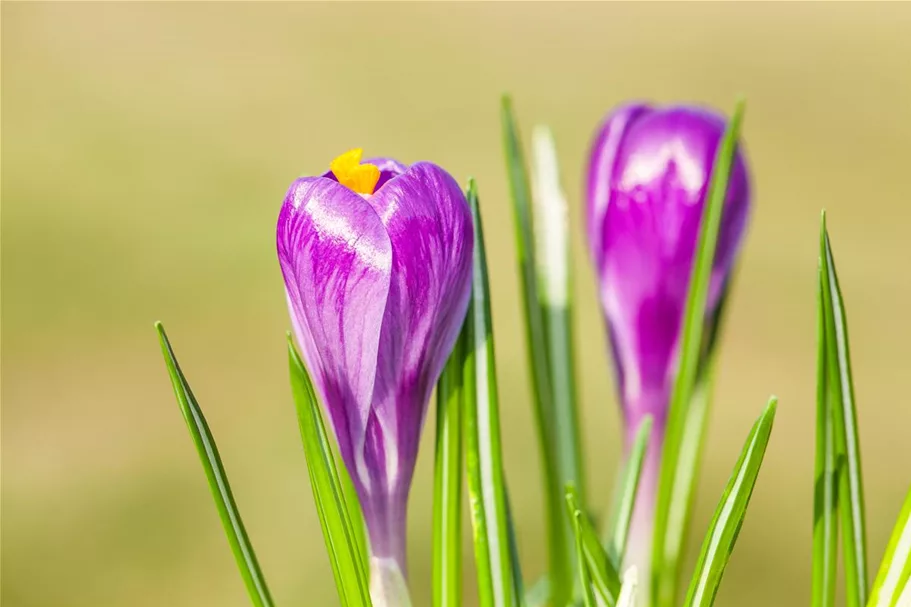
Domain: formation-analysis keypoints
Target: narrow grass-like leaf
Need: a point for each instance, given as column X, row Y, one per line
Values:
column 556, row 457
column 553, row 273
column 685, row 422
column 728, row 518
column 689, row 455
column 588, row 595
column 352, row 501
column 847, row 446
column 218, row 480
column 825, row 494
column 339, row 533
column 625, row 496
column 895, row 569
column 447, row 483
column 486, row 485
column 692, row 445
column 605, row 581
column 518, row 583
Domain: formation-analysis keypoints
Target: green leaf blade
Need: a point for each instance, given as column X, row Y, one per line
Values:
column 895, row 568
column 825, row 495
column 847, row 445
column 339, row 532
column 625, row 496
column 553, row 275
column 689, row 399
column 486, row 485
column 217, row 478
column 588, row 595
column 728, row 518
column 518, row 583
column 447, row 498
column 605, row 580
column 559, row 454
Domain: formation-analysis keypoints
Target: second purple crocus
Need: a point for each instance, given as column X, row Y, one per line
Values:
column 648, row 177
column 376, row 258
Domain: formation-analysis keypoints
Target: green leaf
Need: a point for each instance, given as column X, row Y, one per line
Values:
column 353, row 503
column 625, row 496
column 588, row 595
column 484, row 459
column 554, row 286
column 895, row 569
column 549, row 350
column 690, row 397
column 518, row 597
column 218, row 480
column 825, row 495
column 728, row 518
column 692, row 445
column 339, row 532
column 447, row 482
column 603, row 575
column 847, row 446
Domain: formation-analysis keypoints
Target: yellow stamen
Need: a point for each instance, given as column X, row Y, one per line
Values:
column 349, row 171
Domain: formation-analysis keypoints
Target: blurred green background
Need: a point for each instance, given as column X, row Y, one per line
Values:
column 146, row 149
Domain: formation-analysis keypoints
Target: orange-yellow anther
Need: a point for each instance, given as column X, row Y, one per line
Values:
column 349, row 171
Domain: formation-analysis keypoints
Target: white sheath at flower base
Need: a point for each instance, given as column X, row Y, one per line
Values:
column 387, row 584
column 551, row 221
column 904, row 599
column 889, row 587
column 627, row 596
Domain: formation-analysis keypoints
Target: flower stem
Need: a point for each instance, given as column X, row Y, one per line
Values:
column 639, row 546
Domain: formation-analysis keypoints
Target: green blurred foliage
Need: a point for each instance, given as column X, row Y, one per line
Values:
column 146, row 149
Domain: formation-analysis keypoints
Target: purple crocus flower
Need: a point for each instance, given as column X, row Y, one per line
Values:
column 377, row 265
column 647, row 182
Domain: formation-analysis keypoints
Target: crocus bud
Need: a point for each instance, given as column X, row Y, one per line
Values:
column 376, row 258
column 648, row 178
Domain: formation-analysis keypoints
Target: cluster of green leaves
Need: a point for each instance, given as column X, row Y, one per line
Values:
column 839, row 494
column 467, row 417
column 339, row 514
column 598, row 564
column 585, row 569
column 549, row 345
column 687, row 412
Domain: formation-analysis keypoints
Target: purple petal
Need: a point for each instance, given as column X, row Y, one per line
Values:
column 647, row 185
column 647, row 182
column 336, row 259
column 601, row 168
column 429, row 225
column 378, row 287
column 389, row 168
